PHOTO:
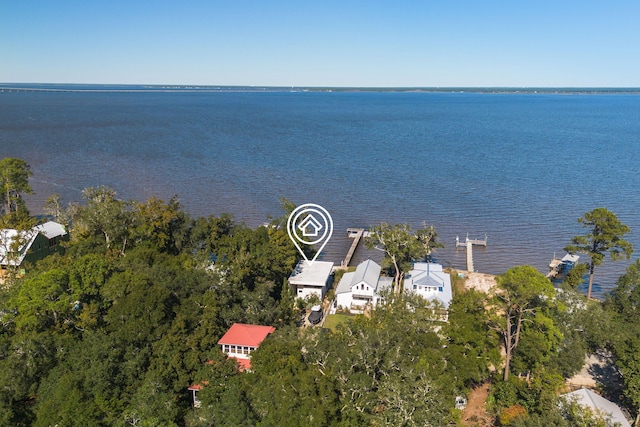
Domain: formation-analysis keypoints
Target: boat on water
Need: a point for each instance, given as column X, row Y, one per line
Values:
column 561, row 266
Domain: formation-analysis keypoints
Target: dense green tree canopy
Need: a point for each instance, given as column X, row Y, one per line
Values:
column 521, row 294
column 624, row 304
column 114, row 330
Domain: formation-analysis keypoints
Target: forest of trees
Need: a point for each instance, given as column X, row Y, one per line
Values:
column 114, row 330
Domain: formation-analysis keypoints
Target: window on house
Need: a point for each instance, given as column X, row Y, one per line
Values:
column 440, row 289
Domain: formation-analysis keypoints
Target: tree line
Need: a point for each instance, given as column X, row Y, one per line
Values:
column 113, row 331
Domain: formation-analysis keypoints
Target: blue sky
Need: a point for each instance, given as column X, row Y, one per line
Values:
column 559, row 43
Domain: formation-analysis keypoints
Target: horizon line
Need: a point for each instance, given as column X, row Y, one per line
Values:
column 191, row 88
column 317, row 86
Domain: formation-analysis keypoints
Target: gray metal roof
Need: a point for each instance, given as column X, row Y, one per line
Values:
column 345, row 283
column 384, row 283
column 311, row 274
column 51, row 229
column 586, row 397
column 367, row 272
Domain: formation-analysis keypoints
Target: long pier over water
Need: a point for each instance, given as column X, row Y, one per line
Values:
column 468, row 244
column 356, row 234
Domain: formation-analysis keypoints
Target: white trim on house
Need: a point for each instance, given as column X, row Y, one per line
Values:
column 8, row 236
column 311, row 278
column 362, row 287
column 429, row 281
column 238, row 351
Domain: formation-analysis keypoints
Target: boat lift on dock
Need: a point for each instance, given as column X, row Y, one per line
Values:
column 558, row 266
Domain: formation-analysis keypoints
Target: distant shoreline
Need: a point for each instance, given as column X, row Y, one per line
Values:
column 73, row 87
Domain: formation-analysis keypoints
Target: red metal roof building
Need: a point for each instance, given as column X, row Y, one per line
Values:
column 239, row 342
column 242, row 339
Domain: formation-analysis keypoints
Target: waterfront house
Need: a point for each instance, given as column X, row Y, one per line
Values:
column 363, row 287
column 243, row 339
column 429, row 281
column 311, row 278
column 18, row 248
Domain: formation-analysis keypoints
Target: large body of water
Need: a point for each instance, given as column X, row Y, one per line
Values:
column 518, row 167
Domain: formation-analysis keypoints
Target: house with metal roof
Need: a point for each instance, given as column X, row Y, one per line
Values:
column 599, row 405
column 243, row 339
column 310, row 278
column 429, row 281
column 363, row 287
column 28, row 246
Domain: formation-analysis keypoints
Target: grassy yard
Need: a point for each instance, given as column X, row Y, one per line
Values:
column 333, row 320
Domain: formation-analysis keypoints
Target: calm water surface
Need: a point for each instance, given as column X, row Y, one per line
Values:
column 520, row 168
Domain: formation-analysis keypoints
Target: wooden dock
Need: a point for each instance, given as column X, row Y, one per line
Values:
column 470, row 256
column 474, row 242
column 356, row 234
column 468, row 244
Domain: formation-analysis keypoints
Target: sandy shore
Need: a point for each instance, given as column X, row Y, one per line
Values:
column 479, row 281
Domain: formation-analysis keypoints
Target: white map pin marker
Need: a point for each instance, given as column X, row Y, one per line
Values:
column 310, row 224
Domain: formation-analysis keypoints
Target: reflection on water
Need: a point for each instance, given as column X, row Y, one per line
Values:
column 520, row 168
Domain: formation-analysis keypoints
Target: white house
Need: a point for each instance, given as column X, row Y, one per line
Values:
column 311, row 278
column 362, row 287
column 430, row 282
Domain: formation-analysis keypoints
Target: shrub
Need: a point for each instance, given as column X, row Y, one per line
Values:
column 512, row 413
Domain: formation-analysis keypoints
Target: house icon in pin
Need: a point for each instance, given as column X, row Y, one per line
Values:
column 310, row 226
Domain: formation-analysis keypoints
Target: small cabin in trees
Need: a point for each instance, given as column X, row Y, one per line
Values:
column 243, row 339
column 238, row 342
